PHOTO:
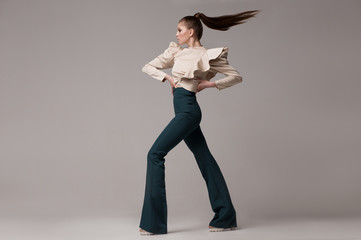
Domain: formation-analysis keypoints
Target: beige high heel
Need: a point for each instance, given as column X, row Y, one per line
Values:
column 214, row 229
column 144, row 233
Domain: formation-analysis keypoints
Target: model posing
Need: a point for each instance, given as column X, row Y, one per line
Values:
column 192, row 68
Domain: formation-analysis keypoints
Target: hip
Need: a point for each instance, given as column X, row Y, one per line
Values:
column 185, row 101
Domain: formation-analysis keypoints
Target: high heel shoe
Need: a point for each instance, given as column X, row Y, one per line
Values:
column 144, row 233
column 214, row 229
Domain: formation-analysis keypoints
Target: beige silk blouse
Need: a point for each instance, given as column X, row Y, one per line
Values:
column 193, row 63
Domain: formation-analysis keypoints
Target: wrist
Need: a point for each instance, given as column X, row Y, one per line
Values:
column 168, row 77
column 212, row 84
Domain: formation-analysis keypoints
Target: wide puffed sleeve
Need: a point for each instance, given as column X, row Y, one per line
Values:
column 220, row 64
column 162, row 61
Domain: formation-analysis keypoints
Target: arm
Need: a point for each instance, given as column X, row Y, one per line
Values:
column 221, row 65
column 162, row 61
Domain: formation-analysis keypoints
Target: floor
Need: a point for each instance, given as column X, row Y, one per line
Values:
column 118, row 229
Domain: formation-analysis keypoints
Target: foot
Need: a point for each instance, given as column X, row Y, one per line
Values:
column 143, row 232
column 215, row 229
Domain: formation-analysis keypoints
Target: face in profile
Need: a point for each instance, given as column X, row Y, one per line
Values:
column 183, row 33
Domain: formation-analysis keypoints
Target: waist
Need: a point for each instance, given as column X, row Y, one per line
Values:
column 179, row 90
column 191, row 86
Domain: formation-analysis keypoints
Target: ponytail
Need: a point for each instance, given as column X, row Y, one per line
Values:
column 222, row 23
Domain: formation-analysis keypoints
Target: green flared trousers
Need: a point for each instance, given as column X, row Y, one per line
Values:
column 184, row 126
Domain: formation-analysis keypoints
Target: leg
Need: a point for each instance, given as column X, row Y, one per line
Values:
column 225, row 214
column 154, row 212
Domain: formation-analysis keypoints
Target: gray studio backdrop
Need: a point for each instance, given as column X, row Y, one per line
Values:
column 77, row 114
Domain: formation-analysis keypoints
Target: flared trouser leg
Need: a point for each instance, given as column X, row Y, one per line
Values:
column 225, row 214
column 187, row 118
column 154, row 213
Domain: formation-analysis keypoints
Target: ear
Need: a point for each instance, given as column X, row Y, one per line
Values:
column 191, row 32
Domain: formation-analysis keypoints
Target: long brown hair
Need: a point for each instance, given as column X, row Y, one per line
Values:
column 222, row 23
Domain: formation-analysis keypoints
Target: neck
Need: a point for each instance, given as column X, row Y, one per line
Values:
column 194, row 43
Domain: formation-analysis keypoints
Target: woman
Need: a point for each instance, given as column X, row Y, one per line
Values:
column 192, row 68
